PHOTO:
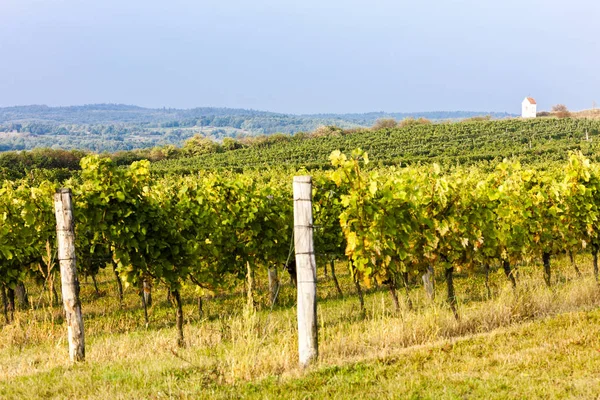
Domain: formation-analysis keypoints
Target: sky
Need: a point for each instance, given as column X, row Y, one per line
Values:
column 308, row 56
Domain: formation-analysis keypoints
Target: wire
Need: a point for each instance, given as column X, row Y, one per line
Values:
column 286, row 263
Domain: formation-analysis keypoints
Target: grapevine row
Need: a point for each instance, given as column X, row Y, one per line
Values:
column 210, row 230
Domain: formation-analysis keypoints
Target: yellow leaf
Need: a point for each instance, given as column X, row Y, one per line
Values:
column 351, row 246
column 373, row 188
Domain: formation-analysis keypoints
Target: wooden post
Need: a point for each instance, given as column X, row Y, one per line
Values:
column 147, row 291
column 250, row 277
column 119, row 284
column 144, row 305
column 429, row 283
column 65, row 234
column 273, row 284
column 306, row 271
column 21, row 294
column 179, row 318
column 449, row 275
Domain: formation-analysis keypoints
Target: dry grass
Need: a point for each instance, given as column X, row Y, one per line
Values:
column 232, row 345
column 592, row 113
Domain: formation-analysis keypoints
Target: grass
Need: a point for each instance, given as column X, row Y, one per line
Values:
column 592, row 113
column 552, row 358
column 535, row 343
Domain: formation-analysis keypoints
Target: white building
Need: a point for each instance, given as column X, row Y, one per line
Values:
column 528, row 108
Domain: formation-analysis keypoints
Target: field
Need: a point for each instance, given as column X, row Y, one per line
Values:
column 532, row 342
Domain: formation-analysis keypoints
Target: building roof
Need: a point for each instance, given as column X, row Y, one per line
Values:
column 531, row 100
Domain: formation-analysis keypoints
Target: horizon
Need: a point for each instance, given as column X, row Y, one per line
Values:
column 483, row 112
column 312, row 57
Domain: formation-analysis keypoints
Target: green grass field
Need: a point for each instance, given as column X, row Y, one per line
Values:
column 533, row 343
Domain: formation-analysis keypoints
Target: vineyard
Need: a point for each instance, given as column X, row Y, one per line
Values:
column 392, row 233
column 478, row 142
column 483, row 143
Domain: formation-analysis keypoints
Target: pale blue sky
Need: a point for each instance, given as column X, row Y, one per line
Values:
column 306, row 56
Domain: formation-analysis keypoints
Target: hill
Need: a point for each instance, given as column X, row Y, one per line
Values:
column 540, row 141
column 113, row 127
column 531, row 141
column 121, row 113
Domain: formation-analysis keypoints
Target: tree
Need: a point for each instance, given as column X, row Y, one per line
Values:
column 385, row 123
column 231, row 144
column 198, row 145
column 561, row 111
column 410, row 121
column 329, row 130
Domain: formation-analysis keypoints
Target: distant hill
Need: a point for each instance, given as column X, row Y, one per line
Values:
column 121, row 113
column 112, row 127
column 116, row 113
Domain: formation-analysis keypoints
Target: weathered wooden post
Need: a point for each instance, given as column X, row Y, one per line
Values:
column 65, row 233
column 429, row 283
column 306, row 271
column 273, row 284
column 147, row 292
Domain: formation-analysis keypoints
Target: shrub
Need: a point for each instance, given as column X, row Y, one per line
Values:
column 329, row 130
column 479, row 118
column 385, row 123
column 231, row 144
column 561, row 111
column 410, row 121
column 198, row 144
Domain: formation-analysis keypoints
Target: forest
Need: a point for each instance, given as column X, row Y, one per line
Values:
column 112, row 127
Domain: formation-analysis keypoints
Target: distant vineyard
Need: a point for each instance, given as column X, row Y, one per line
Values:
column 485, row 143
column 533, row 141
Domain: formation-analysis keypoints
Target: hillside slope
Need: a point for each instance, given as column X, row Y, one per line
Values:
column 532, row 141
